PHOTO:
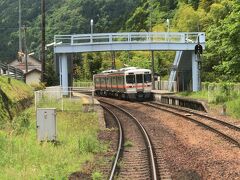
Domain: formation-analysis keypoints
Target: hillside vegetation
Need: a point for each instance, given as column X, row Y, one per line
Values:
column 218, row 18
column 23, row 157
column 14, row 97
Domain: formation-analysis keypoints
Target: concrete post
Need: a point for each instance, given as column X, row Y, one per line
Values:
column 195, row 73
column 63, row 64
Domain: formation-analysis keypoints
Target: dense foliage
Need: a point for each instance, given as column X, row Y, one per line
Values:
column 218, row 18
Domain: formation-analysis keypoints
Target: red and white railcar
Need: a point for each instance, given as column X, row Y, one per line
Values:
column 125, row 83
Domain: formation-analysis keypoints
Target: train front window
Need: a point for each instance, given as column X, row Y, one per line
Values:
column 130, row 79
column 139, row 78
column 147, row 78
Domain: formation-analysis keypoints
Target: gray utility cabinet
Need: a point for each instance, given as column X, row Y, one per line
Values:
column 46, row 124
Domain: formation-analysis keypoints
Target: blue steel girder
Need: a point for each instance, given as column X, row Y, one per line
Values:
column 128, row 42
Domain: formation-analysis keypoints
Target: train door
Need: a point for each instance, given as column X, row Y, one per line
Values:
column 139, row 82
column 130, row 83
column 147, row 82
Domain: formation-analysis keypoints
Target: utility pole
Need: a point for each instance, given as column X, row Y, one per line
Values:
column 19, row 54
column 20, row 26
column 91, row 26
column 43, row 40
column 168, row 27
column 113, row 60
column 151, row 9
column 26, row 51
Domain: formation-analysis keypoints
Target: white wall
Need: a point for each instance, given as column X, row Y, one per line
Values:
column 33, row 78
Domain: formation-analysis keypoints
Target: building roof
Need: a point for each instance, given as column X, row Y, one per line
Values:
column 32, row 70
column 32, row 64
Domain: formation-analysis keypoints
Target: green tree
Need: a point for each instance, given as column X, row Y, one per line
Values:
column 221, row 62
column 186, row 19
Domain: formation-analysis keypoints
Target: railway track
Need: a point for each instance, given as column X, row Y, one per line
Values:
column 114, row 169
column 135, row 159
column 228, row 131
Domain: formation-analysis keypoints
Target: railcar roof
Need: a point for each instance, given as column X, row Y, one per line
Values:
column 124, row 71
column 138, row 70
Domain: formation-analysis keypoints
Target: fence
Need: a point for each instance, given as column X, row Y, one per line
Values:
column 11, row 71
column 163, row 85
column 55, row 97
column 83, row 84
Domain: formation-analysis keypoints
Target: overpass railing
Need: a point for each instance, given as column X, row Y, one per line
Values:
column 140, row 37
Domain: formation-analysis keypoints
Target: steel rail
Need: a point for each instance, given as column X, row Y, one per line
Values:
column 226, row 137
column 120, row 142
column 145, row 135
column 231, row 126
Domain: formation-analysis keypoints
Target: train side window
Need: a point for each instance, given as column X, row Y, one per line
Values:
column 139, row 78
column 147, row 78
column 114, row 80
column 130, row 79
column 109, row 81
column 103, row 81
column 97, row 80
column 120, row 80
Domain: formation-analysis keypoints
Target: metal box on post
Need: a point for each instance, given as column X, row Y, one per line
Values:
column 46, row 124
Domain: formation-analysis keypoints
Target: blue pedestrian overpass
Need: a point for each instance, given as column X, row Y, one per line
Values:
column 183, row 42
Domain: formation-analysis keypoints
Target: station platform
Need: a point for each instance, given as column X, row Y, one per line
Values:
column 163, row 92
column 86, row 99
column 171, row 98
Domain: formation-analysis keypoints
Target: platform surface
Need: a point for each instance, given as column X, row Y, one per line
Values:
column 86, row 99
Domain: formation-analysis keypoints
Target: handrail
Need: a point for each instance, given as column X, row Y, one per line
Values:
column 132, row 37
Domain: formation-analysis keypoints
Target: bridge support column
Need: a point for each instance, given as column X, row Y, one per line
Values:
column 63, row 73
column 153, row 71
column 196, row 80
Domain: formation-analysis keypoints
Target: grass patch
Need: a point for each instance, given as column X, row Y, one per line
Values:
column 16, row 90
column 23, row 157
column 97, row 176
column 233, row 107
column 195, row 95
column 128, row 144
column 13, row 98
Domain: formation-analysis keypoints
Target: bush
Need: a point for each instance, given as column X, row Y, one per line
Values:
column 37, row 87
column 21, row 123
column 233, row 107
column 88, row 143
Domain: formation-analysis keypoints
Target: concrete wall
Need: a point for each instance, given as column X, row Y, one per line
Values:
column 33, row 77
column 163, row 85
